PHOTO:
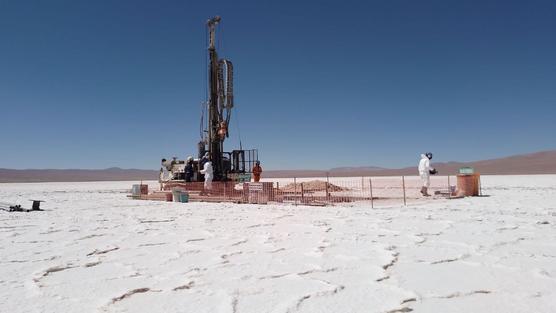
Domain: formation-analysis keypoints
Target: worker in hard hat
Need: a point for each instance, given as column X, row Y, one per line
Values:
column 425, row 170
column 207, row 171
column 257, row 170
column 189, row 169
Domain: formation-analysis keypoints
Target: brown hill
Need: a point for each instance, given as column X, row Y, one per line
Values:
column 74, row 175
column 535, row 163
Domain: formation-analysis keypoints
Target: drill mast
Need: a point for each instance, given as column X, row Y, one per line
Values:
column 220, row 104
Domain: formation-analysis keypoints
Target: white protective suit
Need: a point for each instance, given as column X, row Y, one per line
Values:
column 207, row 171
column 165, row 170
column 424, row 168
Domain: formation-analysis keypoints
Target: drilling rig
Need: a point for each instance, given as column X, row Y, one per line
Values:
column 227, row 166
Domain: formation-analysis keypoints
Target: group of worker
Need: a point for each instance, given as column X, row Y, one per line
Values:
column 207, row 171
column 205, row 164
column 425, row 170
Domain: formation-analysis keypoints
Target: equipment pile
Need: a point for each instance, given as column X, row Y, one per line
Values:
column 9, row 207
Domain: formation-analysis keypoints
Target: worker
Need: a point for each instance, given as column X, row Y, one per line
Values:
column 425, row 170
column 165, row 170
column 207, row 171
column 189, row 169
column 202, row 162
column 257, row 170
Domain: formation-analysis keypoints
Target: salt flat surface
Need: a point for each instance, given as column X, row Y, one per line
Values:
column 94, row 250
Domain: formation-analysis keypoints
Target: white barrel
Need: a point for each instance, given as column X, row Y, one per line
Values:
column 136, row 190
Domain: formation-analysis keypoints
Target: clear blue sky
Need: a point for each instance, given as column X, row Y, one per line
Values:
column 319, row 84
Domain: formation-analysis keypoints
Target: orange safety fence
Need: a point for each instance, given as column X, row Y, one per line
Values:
column 373, row 191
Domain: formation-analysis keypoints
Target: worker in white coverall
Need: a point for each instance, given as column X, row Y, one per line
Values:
column 425, row 170
column 165, row 170
column 207, row 171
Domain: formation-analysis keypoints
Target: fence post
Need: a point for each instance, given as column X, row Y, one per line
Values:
column 403, row 186
column 327, row 183
column 371, row 187
column 278, row 195
column 449, row 188
column 294, row 191
column 224, row 190
column 302, row 194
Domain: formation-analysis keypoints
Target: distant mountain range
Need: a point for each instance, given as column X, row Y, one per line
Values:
column 543, row 162
column 75, row 175
column 535, row 163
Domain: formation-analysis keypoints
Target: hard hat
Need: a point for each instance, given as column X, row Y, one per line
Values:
column 429, row 155
column 189, row 158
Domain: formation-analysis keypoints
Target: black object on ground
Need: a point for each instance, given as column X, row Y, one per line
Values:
column 17, row 207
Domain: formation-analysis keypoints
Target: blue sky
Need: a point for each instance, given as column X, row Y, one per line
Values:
column 319, row 84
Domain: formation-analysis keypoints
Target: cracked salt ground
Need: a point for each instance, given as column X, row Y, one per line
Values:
column 96, row 251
